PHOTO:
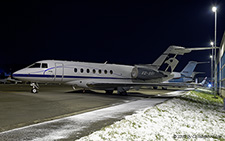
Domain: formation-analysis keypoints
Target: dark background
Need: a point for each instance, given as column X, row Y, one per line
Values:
column 114, row 31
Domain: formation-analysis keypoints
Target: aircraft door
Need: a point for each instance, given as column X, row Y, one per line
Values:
column 50, row 75
column 59, row 72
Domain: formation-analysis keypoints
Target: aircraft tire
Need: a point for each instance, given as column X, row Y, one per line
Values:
column 109, row 91
column 164, row 88
column 123, row 93
column 34, row 91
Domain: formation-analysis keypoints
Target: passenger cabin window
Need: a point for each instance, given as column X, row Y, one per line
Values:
column 75, row 69
column 81, row 70
column 94, row 71
column 35, row 65
column 44, row 65
column 111, row 72
column 88, row 71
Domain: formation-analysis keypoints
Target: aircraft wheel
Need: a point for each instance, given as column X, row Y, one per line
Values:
column 109, row 91
column 123, row 93
column 34, row 91
column 164, row 88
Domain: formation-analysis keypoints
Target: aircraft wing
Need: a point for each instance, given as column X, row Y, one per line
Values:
column 115, row 84
column 14, row 80
column 3, row 80
column 118, row 84
column 10, row 80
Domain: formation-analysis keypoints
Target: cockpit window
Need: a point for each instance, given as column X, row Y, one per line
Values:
column 39, row 65
column 35, row 65
column 44, row 65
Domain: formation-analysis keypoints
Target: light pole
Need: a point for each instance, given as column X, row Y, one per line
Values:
column 211, row 56
column 214, row 9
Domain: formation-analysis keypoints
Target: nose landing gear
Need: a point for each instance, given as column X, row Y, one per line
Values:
column 35, row 88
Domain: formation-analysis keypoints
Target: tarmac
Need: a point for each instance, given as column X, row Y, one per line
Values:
column 19, row 108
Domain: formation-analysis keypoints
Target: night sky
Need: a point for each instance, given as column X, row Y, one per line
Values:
column 113, row 31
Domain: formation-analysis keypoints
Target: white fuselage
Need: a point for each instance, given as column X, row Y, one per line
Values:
column 85, row 75
column 68, row 71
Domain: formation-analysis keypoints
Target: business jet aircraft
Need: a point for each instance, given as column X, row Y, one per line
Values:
column 183, row 78
column 187, row 74
column 105, row 76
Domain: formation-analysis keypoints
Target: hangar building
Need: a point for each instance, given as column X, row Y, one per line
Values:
column 221, row 67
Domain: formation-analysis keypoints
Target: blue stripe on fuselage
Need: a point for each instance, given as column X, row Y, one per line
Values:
column 177, row 80
column 65, row 76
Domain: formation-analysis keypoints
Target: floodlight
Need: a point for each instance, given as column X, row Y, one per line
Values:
column 214, row 9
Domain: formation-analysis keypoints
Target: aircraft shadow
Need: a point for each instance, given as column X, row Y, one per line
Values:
column 129, row 94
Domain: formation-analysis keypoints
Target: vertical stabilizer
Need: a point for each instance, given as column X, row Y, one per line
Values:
column 172, row 62
column 203, row 81
column 189, row 68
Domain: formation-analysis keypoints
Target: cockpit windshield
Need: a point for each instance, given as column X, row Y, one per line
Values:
column 35, row 65
column 38, row 65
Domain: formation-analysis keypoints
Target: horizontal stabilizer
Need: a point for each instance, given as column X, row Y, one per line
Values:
column 201, row 48
column 178, row 50
column 198, row 73
column 195, row 73
column 203, row 62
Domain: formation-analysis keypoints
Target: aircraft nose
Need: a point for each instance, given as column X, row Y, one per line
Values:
column 15, row 74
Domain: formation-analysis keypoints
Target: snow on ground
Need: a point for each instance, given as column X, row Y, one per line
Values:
column 76, row 125
column 176, row 119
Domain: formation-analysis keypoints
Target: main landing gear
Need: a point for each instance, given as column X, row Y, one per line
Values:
column 35, row 87
column 122, row 90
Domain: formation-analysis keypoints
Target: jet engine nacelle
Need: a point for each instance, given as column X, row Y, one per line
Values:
column 145, row 73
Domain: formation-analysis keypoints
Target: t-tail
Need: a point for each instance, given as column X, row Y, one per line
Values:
column 161, row 70
column 172, row 61
column 189, row 69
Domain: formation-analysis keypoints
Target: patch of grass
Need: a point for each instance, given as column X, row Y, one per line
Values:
column 204, row 97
